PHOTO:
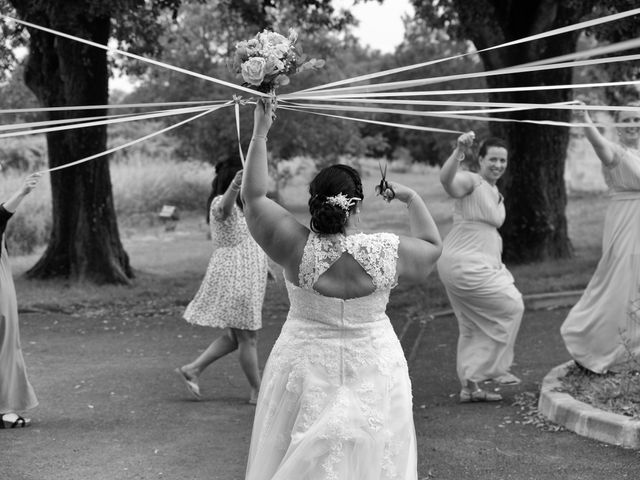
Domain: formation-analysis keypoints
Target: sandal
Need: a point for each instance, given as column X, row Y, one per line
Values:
column 192, row 385
column 479, row 395
column 508, row 379
column 18, row 422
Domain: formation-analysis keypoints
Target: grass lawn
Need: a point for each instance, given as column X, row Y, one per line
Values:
column 169, row 265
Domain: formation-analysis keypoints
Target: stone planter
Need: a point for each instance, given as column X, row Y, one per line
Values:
column 584, row 419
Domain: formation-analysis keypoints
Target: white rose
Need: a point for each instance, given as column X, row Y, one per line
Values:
column 253, row 70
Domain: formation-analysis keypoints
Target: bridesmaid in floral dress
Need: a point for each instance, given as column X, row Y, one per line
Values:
column 232, row 291
column 16, row 393
column 602, row 331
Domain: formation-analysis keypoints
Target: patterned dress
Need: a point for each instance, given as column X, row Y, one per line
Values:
column 16, row 393
column 233, row 288
column 603, row 329
column 335, row 399
column 486, row 303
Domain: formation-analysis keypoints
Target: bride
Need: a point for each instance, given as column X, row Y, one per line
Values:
column 335, row 400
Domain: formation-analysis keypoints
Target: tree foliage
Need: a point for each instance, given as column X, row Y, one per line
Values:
column 191, row 43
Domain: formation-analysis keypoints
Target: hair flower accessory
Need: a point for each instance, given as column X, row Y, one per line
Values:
column 342, row 201
column 267, row 60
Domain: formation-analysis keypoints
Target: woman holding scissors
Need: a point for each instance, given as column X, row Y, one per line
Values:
column 483, row 296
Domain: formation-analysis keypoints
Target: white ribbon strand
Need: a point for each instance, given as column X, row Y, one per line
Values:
column 557, row 31
column 133, row 142
column 112, row 50
column 109, row 121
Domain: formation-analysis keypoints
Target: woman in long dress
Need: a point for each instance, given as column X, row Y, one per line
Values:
column 335, row 401
column 602, row 330
column 16, row 393
column 232, row 291
column 481, row 290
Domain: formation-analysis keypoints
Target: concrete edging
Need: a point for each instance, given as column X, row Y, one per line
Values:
column 584, row 419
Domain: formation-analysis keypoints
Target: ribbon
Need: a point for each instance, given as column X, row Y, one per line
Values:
column 108, row 121
column 427, row 81
column 557, row 31
column 238, row 101
column 467, row 91
column 133, row 142
column 112, row 50
column 376, row 122
column 109, row 107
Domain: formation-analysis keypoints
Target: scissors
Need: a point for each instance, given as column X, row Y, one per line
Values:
column 387, row 192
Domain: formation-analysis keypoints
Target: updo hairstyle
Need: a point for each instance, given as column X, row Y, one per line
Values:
column 330, row 181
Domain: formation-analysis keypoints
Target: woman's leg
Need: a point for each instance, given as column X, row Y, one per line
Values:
column 248, row 350
column 220, row 347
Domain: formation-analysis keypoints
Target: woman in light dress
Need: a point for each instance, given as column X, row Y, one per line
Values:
column 232, row 292
column 602, row 330
column 16, row 393
column 335, row 401
column 481, row 290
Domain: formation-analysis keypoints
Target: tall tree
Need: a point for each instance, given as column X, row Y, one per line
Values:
column 536, row 227
column 84, row 242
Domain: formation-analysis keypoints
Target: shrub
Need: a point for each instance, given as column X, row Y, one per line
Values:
column 144, row 184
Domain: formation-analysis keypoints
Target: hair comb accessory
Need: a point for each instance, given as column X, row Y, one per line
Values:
column 342, row 201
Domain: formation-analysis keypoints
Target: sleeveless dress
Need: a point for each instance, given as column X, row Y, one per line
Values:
column 232, row 291
column 486, row 303
column 16, row 393
column 602, row 330
column 335, row 400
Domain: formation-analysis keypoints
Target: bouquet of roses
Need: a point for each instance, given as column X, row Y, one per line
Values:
column 266, row 61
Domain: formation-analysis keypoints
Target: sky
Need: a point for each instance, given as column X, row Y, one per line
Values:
column 380, row 27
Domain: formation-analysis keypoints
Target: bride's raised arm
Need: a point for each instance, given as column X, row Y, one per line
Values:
column 279, row 234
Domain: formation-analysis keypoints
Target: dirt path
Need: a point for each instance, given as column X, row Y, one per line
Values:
column 111, row 407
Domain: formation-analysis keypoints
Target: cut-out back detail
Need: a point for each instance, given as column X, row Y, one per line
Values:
column 376, row 253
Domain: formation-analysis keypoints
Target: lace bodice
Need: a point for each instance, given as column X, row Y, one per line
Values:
column 377, row 254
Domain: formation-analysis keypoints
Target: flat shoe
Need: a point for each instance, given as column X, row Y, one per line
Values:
column 8, row 420
column 192, row 386
column 479, row 395
column 508, row 379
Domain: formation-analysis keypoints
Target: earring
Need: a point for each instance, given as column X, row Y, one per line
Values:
column 358, row 215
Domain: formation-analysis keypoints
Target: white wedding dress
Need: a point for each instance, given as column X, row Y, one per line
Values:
column 335, row 401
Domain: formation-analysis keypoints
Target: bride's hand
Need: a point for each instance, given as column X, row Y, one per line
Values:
column 262, row 116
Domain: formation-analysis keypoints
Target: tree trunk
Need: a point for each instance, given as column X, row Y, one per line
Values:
column 84, row 243
column 534, row 188
column 535, row 196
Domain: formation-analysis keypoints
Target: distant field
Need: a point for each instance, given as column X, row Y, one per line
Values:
column 168, row 261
